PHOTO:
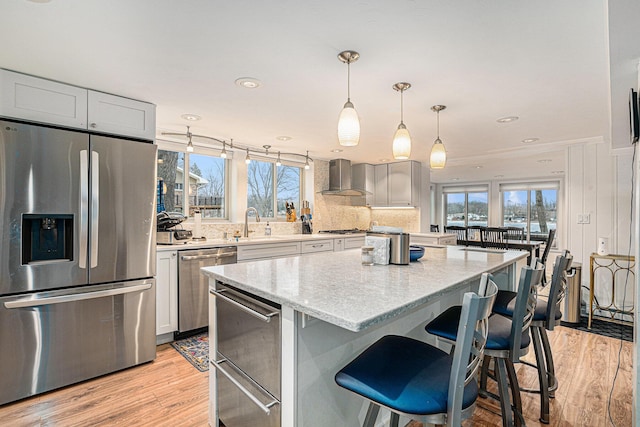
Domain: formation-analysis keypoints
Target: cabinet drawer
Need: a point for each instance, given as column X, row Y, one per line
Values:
column 271, row 250
column 353, row 242
column 317, row 246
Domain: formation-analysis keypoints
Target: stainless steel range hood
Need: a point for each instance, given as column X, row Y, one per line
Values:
column 340, row 179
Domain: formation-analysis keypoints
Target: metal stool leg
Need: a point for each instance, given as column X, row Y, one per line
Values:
column 393, row 421
column 548, row 357
column 372, row 414
column 515, row 393
column 503, row 388
column 484, row 371
column 542, row 374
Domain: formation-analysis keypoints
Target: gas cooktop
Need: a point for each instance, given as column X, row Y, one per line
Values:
column 350, row 231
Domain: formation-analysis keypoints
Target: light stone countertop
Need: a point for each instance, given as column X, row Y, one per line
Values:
column 209, row 243
column 335, row 287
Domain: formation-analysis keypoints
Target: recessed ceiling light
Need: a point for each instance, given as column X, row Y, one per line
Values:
column 384, row 160
column 478, row 167
column 529, row 140
column 248, row 82
column 557, row 172
column 283, row 138
column 336, row 150
column 507, row 119
column 544, row 161
column 498, row 176
column 455, row 179
column 191, row 117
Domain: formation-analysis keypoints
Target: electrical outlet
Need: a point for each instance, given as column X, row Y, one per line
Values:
column 580, row 219
column 586, row 218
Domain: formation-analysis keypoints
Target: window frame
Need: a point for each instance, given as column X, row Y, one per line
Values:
column 274, row 184
column 181, row 148
column 466, row 190
column 528, row 187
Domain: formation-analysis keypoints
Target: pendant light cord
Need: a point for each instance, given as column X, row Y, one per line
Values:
column 401, row 107
column 349, row 81
column 438, row 124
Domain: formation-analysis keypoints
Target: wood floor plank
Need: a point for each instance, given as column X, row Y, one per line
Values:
column 170, row 392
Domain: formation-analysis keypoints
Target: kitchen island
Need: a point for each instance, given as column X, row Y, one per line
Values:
column 333, row 307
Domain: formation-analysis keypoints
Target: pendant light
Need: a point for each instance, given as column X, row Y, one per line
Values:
column 402, row 139
column 278, row 162
column 348, row 122
column 438, row 157
column 189, row 144
column 247, row 159
column 223, row 153
column 306, row 163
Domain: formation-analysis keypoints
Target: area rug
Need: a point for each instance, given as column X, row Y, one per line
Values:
column 602, row 327
column 195, row 349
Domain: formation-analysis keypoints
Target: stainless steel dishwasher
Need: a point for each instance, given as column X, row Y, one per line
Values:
column 193, row 286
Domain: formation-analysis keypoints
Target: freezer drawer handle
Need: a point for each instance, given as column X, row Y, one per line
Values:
column 265, row 408
column 197, row 257
column 28, row 302
column 264, row 317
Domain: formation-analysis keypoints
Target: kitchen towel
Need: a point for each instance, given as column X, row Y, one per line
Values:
column 380, row 248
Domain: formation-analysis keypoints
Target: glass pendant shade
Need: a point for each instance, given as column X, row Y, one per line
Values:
column 438, row 157
column 348, row 126
column 401, row 143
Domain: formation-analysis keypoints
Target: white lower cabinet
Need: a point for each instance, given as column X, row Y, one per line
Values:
column 166, row 295
column 317, row 246
column 267, row 250
column 353, row 242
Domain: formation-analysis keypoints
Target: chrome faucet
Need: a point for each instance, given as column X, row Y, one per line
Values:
column 246, row 219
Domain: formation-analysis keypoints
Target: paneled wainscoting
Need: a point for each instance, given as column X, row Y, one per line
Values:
column 171, row 392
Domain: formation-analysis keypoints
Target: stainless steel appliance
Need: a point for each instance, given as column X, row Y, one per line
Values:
column 171, row 237
column 77, row 256
column 248, row 359
column 193, row 301
column 340, row 179
column 398, row 246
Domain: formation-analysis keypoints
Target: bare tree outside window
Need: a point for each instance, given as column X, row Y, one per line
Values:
column 261, row 194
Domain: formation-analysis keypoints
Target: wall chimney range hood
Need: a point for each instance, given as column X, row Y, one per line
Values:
column 340, row 180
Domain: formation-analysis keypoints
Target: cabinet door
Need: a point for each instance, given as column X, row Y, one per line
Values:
column 121, row 116
column 267, row 250
column 317, row 246
column 400, row 184
column 380, row 190
column 354, row 242
column 32, row 98
column 167, row 292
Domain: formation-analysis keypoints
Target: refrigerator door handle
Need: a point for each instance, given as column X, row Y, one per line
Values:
column 84, row 209
column 35, row 302
column 95, row 206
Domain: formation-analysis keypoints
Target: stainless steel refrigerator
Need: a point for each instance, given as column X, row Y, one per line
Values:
column 77, row 256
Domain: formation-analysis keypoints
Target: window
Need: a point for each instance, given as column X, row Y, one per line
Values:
column 203, row 187
column 532, row 206
column 270, row 187
column 466, row 206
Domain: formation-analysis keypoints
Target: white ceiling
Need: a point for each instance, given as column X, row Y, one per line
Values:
column 545, row 61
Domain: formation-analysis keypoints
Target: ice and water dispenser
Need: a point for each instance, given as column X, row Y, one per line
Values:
column 47, row 238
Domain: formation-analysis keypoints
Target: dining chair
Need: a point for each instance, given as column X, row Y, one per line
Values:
column 435, row 228
column 546, row 316
column 494, row 237
column 412, row 378
column 459, row 231
column 545, row 253
column 507, row 340
column 515, row 233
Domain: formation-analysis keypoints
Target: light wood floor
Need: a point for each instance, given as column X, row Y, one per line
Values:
column 170, row 392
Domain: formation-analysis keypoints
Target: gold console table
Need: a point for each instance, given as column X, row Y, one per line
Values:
column 614, row 264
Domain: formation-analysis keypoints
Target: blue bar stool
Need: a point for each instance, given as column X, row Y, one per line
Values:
column 412, row 378
column 546, row 316
column 507, row 340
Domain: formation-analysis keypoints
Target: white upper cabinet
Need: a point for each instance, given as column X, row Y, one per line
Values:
column 40, row 100
column 397, row 184
column 121, row 116
column 31, row 98
column 404, row 183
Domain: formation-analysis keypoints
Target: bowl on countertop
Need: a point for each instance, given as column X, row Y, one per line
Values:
column 416, row 252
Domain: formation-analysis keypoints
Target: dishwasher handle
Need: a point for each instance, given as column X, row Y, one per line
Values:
column 264, row 317
column 210, row 256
